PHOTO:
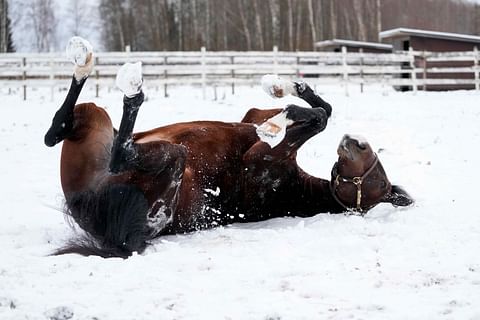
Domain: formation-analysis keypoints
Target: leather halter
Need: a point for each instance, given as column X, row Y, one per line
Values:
column 357, row 181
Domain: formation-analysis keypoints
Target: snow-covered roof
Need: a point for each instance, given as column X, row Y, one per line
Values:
column 352, row 43
column 428, row 34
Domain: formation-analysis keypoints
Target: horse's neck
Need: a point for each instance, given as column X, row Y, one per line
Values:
column 317, row 195
column 86, row 155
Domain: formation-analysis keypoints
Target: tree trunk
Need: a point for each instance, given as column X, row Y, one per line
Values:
column 243, row 18
column 258, row 23
column 362, row 31
column 379, row 18
column 312, row 22
column 290, row 25
column 333, row 19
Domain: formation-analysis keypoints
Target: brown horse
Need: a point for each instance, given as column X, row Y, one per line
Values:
column 124, row 188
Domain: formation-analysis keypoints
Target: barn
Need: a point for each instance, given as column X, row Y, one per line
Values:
column 437, row 42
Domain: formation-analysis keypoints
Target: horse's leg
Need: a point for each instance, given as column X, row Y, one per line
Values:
column 158, row 172
column 304, row 92
column 63, row 121
column 299, row 124
column 278, row 87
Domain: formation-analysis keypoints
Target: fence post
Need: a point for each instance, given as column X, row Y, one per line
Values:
column 24, row 77
column 345, row 69
column 476, row 69
column 275, row 59
column 413, row 73
column 424, row 62
column 165, row 75
column 52, row 76
column 97, row 79
column 298, row 65
column 361, row 70
column 204, row 75
column 232, row 61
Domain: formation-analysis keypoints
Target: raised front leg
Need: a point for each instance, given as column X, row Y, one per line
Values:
column 287, row 131
column 278, row 87
column 80, row 52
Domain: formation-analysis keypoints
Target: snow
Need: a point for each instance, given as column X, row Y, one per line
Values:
column 276, row 86
column 416, row 263
column 78, row 50
column 129, row 78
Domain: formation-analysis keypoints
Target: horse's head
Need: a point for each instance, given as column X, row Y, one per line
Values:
column 359, row 181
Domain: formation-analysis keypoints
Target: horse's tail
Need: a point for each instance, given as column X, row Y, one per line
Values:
column 114, row 220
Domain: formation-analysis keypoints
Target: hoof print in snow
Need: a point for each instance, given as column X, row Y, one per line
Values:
column 273, row 317
column 7, row 303
column 59, row 313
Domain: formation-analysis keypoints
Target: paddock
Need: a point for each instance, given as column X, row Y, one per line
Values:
column 417, row 263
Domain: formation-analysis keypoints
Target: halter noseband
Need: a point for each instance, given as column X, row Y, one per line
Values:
column 357, row 181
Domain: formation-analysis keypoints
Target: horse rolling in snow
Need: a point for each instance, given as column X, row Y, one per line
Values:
column 124, row 189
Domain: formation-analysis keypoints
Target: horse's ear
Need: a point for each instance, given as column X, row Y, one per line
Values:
column 398, row 197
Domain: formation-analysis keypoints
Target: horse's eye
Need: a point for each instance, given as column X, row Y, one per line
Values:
column 362, row 146
column 383, row 184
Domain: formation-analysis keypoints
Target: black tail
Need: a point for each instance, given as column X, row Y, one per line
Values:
column 114, row 220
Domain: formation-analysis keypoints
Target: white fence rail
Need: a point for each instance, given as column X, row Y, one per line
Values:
column 409, row 69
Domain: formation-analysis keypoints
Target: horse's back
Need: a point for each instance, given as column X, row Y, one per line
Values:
column 198, row 135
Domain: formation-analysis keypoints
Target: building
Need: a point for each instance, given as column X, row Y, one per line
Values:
column 403, row 38
column 336, row 45
column 433, row 41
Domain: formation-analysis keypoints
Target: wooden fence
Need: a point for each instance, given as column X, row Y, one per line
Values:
column 404, row 70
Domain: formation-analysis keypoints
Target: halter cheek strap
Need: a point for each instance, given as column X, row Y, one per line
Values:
column 357, row 181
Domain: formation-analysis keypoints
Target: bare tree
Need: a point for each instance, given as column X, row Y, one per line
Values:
column 242, row 9
column 312, row 21
column 81, row 17
column 258, row 24
column 6, row 43
column 362, row 30
column 42, row 17
column 379, row 17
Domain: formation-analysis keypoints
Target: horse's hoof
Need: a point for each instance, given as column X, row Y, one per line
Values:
column 277, row 87
column 273, row 130
column 129, row 79
column 79, row 51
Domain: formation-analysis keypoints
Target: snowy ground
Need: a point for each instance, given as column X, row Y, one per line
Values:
column 417, row 263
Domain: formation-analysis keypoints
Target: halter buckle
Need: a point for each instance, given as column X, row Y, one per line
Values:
column 357, row 181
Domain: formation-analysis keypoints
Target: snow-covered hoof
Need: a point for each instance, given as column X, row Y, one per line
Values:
column 80, row 52
column 273, row 130
column 129, row 79
column 278, row 87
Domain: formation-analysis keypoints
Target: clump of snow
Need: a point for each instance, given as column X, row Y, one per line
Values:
column 129, row 78
column 80, row 52
column 359, row 138
column 59, row 313
column 276, row 86
column 214, row 193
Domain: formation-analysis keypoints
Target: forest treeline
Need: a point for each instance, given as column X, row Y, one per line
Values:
column 231, row 24
column 261, row 24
